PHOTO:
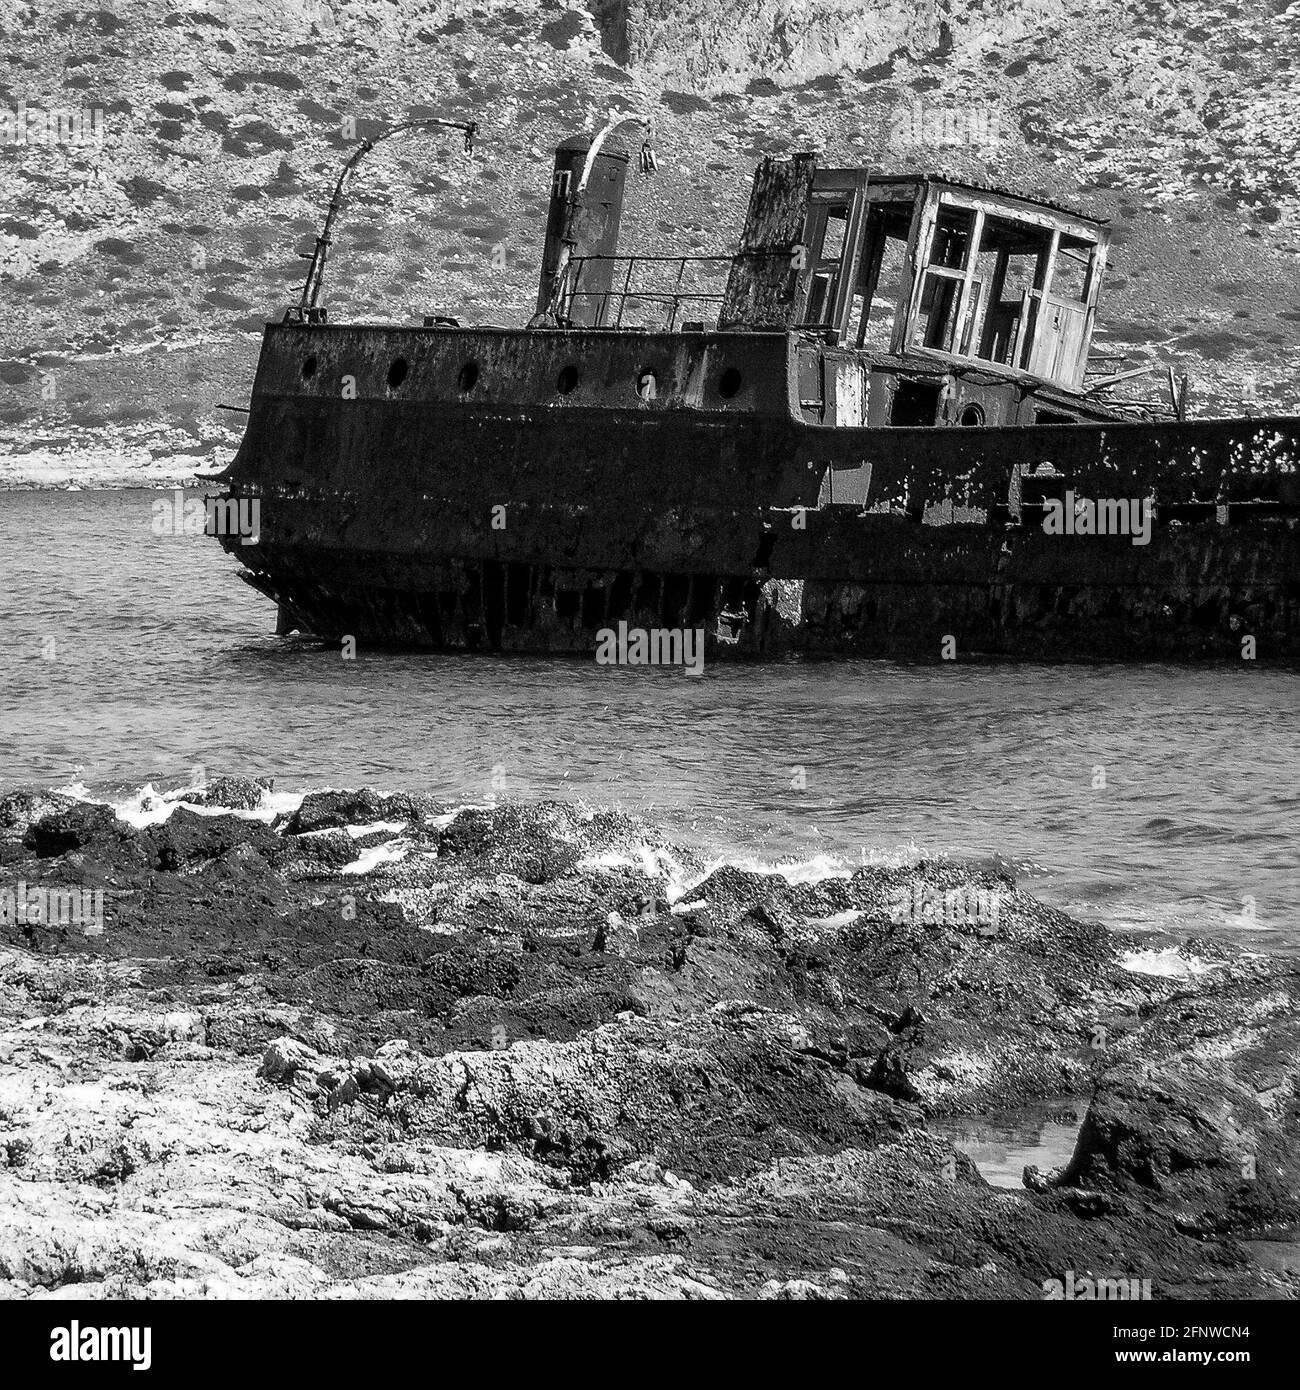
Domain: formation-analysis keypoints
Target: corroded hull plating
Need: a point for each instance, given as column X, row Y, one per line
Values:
column 467, row 501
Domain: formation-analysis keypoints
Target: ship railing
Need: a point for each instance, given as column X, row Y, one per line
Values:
column 675, row 285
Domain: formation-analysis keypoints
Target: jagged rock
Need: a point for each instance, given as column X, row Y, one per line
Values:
column 729, row 892
column 375, row 1079
column 634, row 1088
column 318, row 854
column 344, row 1093
column 180, row 1026
column 537, row 843
column 187, row 839
column 333, row 810
column 233, row 793
column 1213, row 1134
column 617, row 936
column 19, row 811
column 285, row 1057
column 79, row 826
column 246, row 1029
column 248, row 867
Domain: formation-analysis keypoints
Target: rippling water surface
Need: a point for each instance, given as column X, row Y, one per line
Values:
column 128, row 658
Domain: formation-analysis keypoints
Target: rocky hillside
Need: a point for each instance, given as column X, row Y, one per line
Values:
column 137, row 266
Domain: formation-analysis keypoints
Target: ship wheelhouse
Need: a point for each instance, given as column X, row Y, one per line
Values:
column 958, row 304
column 905, row 265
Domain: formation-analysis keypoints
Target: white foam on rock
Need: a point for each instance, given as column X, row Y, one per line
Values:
column 1168, row 963
column 390, row 852
column 607, row 859
column 836, row 920
column 147, row 806
column 653, row 863
column 812, row 870
column 660, row 863
column 390, row 827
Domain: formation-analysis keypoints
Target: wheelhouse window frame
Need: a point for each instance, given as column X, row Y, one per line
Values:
column 947, row 303
column 828, row 282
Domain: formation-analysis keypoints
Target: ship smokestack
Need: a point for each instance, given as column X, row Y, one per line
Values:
column 587, row 223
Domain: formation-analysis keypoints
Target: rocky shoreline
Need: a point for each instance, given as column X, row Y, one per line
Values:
column 91, row 467
column 379, row 1047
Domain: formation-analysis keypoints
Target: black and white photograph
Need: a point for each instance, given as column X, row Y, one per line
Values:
column 649, row 651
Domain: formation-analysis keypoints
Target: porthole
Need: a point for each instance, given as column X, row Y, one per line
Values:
column 468, row 378
column 971, row 415
column 567, row 379
column 729, row 383
column 397, row 373
column 309, row 367
column 647, row 384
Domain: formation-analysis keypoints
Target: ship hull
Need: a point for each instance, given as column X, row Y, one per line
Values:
column 1010, row 608
column 510, row 516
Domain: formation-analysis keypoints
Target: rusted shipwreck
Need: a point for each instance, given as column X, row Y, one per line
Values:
column 878, row 428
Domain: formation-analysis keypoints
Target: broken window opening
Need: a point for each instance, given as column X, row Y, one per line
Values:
column 1070, row 271
column 952, row 229
column 1017, row 255
column 916, row 403
column 943, row 278
column 883, row 280
column 826, row 236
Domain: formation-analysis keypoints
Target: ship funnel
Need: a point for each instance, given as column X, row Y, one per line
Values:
column 582, row 222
